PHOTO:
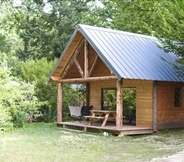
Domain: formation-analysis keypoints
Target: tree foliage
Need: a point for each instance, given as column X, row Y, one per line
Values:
column 9, row 39
column 17, row 99
column 46, row 26
column 38, row 71
column 33, row 34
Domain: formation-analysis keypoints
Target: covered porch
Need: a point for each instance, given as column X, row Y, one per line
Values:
column 144, row 122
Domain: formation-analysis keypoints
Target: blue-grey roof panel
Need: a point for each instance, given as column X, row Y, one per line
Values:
column 131, row 56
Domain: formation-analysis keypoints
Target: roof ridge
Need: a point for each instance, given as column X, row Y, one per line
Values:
column 117, row 31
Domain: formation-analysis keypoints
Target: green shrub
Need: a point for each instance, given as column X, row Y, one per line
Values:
column 5, row 118
column 17, row 99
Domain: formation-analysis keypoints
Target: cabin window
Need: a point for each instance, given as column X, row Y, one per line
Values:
column 177, row 97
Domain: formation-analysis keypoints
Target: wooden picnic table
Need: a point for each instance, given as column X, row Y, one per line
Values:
column 103, row 115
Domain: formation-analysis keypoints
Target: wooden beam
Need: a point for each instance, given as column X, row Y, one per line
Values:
column 94, row 65
column 79, row 68
column 155, row 113
column 59, row 103
column 119, row 104
column 53, row 78
column 84, row 80
column 86, row 59
column 71, row 62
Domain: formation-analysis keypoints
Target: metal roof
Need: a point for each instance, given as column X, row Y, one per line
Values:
column 129, row 55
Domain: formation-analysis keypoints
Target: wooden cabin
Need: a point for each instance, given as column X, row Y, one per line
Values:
column 105, row 58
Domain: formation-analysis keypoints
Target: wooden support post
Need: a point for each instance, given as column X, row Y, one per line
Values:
column 86, row 59
column 119, row 104
column 59, row 103
column 87, row 93
column 155, row 113
column 85, row 129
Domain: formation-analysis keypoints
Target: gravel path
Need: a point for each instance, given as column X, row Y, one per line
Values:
column 179, row 157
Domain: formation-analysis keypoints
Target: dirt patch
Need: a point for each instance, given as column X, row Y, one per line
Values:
column 179, row 157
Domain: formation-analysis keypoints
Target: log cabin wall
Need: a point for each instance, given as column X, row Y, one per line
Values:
column 144, row 98
column 169, row 116
column 95, row 92
column 144, row 101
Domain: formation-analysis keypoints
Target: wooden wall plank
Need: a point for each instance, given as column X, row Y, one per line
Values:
column 168, row 115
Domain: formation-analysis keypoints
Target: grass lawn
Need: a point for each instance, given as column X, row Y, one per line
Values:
column 40, row 142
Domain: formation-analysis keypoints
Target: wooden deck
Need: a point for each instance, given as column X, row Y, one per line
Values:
column 110, row 127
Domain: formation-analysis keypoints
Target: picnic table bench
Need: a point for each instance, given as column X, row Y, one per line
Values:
column 103, row 115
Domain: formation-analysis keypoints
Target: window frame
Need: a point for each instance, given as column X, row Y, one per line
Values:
column 180, row 97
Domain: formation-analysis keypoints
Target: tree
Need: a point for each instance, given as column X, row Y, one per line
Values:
column 45, row 33
column 45, row 27
column 9, row 39
column 136, row 16
column 39, row 36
